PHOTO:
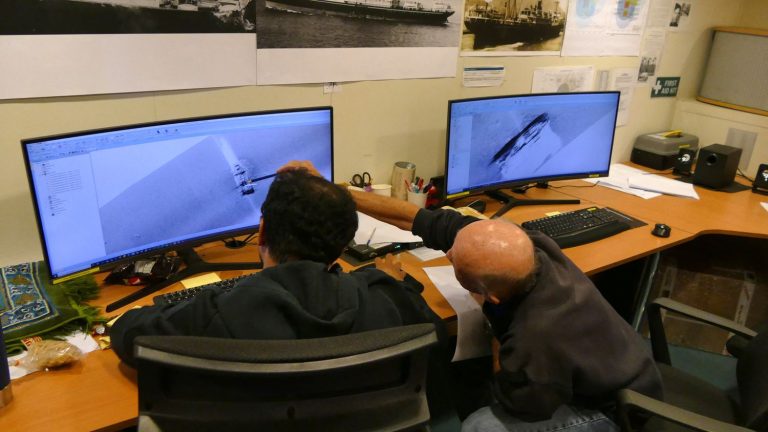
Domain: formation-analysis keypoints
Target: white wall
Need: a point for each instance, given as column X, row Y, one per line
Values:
column 711, row 123
column 376, row 123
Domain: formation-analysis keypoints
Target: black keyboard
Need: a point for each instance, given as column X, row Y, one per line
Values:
column 189, row 293
column 582, row 226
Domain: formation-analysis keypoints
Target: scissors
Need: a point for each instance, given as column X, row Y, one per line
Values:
column 362, row 180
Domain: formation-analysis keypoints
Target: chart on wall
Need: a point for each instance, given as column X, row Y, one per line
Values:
column 312, row 41
column 73, row 47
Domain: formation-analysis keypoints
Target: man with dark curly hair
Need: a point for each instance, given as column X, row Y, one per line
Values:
column 306, row 223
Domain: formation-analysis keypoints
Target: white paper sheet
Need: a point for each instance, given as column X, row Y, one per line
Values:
column 385, row 233
column 563, row 79
column 618, row 179
column 765, row 205
column 623, row 80
column 472, row 340
column 483, row 76
column 425, row 254
column 667, row 186
column 64, row 65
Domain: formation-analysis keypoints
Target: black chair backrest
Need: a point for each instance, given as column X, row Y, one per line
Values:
column 363, row 381
column 752, row 375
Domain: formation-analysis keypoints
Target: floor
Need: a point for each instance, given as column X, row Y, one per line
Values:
column 725, row 275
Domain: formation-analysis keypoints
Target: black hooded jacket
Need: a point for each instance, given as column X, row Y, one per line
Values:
column 295, row 300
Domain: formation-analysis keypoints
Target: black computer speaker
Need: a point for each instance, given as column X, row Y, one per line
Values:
column 761, row 179
column 717, row 166
column 684, row 161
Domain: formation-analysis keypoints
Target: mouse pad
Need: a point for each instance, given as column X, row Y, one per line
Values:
column 632, row 222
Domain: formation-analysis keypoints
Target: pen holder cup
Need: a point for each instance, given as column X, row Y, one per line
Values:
column 382, row 189
column 418, row 198
column 402, row 172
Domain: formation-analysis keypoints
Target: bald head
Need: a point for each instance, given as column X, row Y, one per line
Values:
column 494, row 258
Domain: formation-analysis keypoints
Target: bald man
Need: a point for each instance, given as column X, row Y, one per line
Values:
column 563, row 350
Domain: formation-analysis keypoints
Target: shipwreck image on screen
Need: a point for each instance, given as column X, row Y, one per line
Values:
column 496, row 141
column 118, row 193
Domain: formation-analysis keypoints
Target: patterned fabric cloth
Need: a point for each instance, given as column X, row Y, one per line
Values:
column 31, row 306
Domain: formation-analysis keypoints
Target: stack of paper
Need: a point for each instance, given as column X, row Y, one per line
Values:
column 640, row 183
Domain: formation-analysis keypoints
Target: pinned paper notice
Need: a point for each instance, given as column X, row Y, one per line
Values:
column 483, row 76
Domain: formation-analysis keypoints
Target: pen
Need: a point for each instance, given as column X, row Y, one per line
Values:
column 368, row 243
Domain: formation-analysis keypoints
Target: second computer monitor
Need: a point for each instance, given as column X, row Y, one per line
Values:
column 515, row 140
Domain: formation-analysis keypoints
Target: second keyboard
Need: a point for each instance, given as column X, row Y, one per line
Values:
column 581, row 226
column 189, row 293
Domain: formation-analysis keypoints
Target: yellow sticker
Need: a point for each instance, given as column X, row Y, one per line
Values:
column 200, row 280
column 76, row 275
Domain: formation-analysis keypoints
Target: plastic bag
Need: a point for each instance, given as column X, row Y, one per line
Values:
column 153, row 269
column 49, row 353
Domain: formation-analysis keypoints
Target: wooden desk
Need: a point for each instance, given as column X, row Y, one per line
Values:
column 99, row 393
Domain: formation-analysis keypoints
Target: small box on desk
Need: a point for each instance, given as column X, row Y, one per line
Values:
column 659, row 150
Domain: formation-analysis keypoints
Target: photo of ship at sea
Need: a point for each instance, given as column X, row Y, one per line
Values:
column 357, row 23
column 514, row 25
column 52, row 17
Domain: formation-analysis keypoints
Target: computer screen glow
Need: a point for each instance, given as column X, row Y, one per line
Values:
column 112, row 195
column 515, row 140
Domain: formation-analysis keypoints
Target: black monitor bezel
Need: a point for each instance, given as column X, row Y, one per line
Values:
column 190, row 243
column 522, row 182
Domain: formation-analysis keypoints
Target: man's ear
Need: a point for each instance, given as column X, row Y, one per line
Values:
column 261, row 232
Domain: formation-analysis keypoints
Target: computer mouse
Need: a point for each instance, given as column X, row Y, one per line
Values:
column 661, row 230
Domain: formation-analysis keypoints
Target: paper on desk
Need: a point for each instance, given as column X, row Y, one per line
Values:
column 618, row 179
column 425, row 254
column 472, row 340
column 656, row 183
column 765, row 205
column 385, row 233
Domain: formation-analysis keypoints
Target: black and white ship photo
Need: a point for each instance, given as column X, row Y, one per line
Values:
column 514, row 25
column 358, row 23
column 33, row 17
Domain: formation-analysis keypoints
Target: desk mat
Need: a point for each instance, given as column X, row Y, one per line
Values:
column 632, row 222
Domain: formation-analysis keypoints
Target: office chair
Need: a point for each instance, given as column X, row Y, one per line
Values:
column 691, row 403
column 367, row 381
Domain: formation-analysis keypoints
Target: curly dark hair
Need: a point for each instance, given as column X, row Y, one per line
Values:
column 307, row 217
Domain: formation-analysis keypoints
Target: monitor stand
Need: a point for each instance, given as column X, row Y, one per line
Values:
column 194, row 265
column 510, row 201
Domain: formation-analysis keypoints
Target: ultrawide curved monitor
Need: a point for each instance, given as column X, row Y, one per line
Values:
column 112, row 195
column 509, row 141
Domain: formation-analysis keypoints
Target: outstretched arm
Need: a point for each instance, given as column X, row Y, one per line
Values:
column 393, row 211
column 390, row 210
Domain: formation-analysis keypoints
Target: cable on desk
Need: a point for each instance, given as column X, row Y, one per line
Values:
column 234, row 243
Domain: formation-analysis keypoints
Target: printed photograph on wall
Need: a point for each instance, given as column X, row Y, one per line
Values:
column 503, row 27
column 38, row 17
column 357, row 23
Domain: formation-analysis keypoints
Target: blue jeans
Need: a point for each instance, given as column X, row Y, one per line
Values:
column 566, row 418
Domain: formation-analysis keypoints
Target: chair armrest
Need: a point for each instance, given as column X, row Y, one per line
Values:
column 632, row 399
column 656, row 326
